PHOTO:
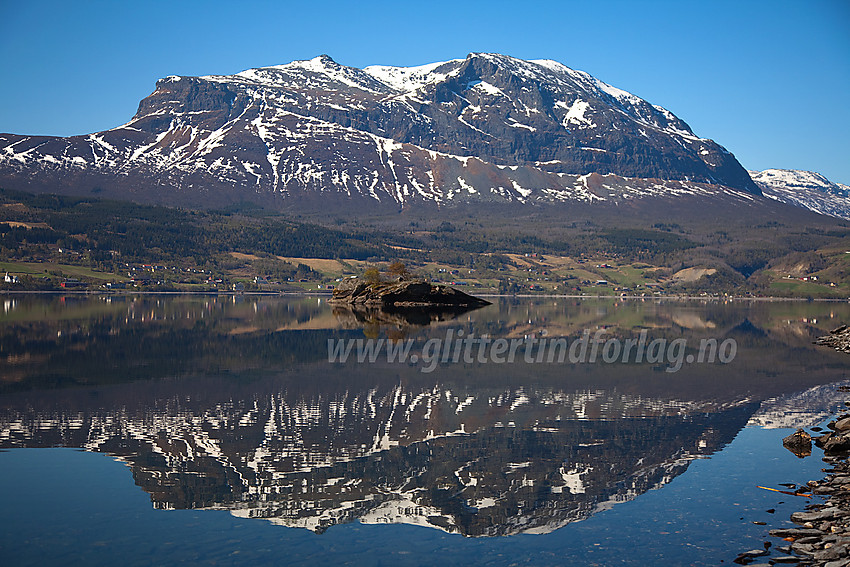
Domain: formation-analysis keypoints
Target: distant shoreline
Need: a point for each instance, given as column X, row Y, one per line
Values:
column 321, row 293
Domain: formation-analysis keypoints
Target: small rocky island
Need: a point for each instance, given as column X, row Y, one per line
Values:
column 401, row 293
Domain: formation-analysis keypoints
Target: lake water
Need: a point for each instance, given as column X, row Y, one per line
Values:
column 215, row 430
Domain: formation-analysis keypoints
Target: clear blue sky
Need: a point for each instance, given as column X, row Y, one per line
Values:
column 769, row 80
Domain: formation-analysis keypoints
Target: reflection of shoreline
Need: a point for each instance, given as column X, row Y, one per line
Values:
column 110, row 340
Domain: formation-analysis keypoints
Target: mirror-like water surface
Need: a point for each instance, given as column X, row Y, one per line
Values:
column 239, row 441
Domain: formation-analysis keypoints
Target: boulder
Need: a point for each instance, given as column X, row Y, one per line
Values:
column 837, row 443
column 799, row 443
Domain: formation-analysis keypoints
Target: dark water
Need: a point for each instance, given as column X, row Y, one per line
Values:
column 216, row 431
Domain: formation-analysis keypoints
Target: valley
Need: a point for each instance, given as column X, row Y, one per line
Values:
column 63, row 243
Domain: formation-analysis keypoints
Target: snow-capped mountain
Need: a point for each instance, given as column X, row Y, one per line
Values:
column 805, row 189
column 487, row 128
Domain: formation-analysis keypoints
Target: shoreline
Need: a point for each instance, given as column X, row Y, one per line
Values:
column 821, row 537
column 329, row 293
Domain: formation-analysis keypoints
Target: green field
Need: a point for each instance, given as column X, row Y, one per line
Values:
column 809, row 289
column 48, row 269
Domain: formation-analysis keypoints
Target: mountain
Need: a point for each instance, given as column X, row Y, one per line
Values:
column 805, row 189
column 487, row 128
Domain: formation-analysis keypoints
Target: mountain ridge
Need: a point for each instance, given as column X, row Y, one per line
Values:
column 488, row 128
column 807, row 189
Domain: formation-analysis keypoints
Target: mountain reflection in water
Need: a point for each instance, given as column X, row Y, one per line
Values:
column 230, row 403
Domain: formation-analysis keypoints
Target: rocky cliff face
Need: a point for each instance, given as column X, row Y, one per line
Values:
column 488, row 128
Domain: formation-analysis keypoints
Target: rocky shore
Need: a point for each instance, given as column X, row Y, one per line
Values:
column 822, row 537
column 839, row 339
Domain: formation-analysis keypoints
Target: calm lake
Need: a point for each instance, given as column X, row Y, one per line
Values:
column 217, row 430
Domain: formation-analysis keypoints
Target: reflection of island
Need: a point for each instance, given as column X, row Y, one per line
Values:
column 360, row 316
column 479, row 461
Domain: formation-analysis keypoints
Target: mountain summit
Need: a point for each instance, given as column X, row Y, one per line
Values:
column 487, row 128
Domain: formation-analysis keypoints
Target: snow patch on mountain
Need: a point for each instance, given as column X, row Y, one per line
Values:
column 409, row 79
column 576, row 114
column 806, row 189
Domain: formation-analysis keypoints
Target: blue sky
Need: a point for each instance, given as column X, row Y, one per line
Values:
column 769, row 80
